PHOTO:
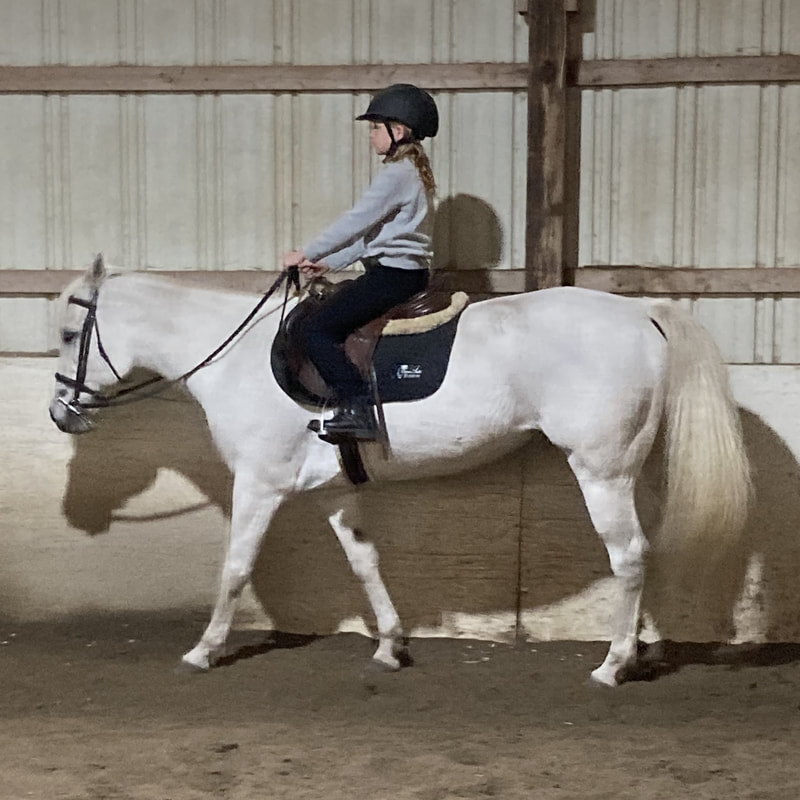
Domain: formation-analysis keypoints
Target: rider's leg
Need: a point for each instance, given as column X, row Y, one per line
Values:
column 357, row 303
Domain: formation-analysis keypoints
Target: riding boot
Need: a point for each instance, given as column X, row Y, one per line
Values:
column 355, row 420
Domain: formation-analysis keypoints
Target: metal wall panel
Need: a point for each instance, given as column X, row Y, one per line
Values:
column 24, row 174
column 690, row 176
column 703, row 176
column 21, row 32
column 231, row 181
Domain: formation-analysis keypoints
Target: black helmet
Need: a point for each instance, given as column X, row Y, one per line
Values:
column 406, row 103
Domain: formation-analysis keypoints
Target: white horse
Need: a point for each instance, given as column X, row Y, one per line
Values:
column 595, row 372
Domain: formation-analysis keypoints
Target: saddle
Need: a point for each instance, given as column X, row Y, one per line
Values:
column 406, row 350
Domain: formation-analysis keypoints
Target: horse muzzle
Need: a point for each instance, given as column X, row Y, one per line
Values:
column 70, row 416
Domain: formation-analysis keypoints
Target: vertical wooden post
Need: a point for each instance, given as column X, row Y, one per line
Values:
column 572, row 147
column 544, row 234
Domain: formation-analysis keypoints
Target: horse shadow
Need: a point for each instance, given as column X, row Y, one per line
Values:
column 274, row 640
column 745, row 610
column 124, row 454
column 665, row 657
column 455, row 549
column 435, row 563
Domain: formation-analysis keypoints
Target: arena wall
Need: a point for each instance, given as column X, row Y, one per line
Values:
column 134, row 517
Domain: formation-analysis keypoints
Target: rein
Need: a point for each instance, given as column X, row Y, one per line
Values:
column 100, row 400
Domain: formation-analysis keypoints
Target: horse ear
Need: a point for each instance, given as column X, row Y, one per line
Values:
column 98, row 270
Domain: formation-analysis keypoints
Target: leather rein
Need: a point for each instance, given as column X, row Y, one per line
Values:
column 132, row 394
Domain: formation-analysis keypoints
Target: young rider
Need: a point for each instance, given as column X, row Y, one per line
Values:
column 389, row 231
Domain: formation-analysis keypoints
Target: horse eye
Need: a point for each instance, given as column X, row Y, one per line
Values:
column 68, row 337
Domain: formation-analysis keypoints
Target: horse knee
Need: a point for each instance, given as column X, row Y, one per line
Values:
column 628, row 562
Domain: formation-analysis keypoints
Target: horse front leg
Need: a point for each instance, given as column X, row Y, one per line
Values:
column 363, row 558
column 611, row 506
column 254, row 506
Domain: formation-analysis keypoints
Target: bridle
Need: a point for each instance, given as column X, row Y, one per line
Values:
column 77, row 384
column 76, row 407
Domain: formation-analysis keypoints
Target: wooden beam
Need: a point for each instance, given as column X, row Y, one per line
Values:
column 678, row 71
column 482, row 281
column 654, row 281
column 573, row 120
column 715, row 281
column 51, row 282
column 544, row 231
column 571, row 6
column 269, row 78
column 278, row 78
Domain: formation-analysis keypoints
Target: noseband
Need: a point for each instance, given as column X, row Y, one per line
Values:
column 74, row 405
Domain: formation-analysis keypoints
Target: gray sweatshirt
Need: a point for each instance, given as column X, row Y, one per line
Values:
column 391, row 221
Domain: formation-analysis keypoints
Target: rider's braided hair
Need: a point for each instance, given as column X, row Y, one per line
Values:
column 413, row 150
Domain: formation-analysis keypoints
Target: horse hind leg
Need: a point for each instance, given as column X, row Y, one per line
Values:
column 611, row 506
column 363, row 558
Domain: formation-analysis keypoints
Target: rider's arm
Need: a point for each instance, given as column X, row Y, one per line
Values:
column 343, row 242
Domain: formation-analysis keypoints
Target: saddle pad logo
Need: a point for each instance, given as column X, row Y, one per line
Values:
column 406, row 371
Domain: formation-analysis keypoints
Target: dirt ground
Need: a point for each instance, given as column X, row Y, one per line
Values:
column 93, row 708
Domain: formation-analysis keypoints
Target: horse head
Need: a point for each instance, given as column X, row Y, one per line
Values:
column 83, row 366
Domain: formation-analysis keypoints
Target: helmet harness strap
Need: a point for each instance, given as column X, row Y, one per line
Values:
column 395, row 142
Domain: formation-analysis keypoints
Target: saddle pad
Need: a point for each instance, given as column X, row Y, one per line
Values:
column 407, row 367
column 413, row 366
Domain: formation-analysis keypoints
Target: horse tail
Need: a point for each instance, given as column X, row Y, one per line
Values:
column 709, row 488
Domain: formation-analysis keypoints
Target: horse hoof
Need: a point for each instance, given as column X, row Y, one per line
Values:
column 380, row 665
column 603, row 676
column 185, row 667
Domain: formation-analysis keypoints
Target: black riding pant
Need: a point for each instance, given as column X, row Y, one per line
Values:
column 355, row 304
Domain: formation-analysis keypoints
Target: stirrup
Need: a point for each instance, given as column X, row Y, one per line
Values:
column 317, row 424
column 354, row 422
column 337, row 437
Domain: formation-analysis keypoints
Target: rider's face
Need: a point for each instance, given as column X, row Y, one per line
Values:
column 379, row 137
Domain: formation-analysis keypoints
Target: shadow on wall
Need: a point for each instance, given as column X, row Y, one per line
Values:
column 121, row 459
column 451, row 545
column 774, row 530
column 755, row 582
column 467, row 234
column 447, row 546
column 432, row 559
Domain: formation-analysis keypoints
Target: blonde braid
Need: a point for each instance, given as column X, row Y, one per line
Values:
column 414, row 151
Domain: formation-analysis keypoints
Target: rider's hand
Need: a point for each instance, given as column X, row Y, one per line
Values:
column 294, row 258
column 311, row 269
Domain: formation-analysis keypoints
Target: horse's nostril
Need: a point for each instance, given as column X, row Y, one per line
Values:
column 61, row 393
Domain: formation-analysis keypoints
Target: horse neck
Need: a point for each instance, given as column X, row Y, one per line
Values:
column 156, row 323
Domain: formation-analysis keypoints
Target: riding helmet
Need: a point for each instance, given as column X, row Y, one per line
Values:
column 406, row 103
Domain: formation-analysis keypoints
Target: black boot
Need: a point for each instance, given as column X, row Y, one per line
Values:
column 355, row 420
